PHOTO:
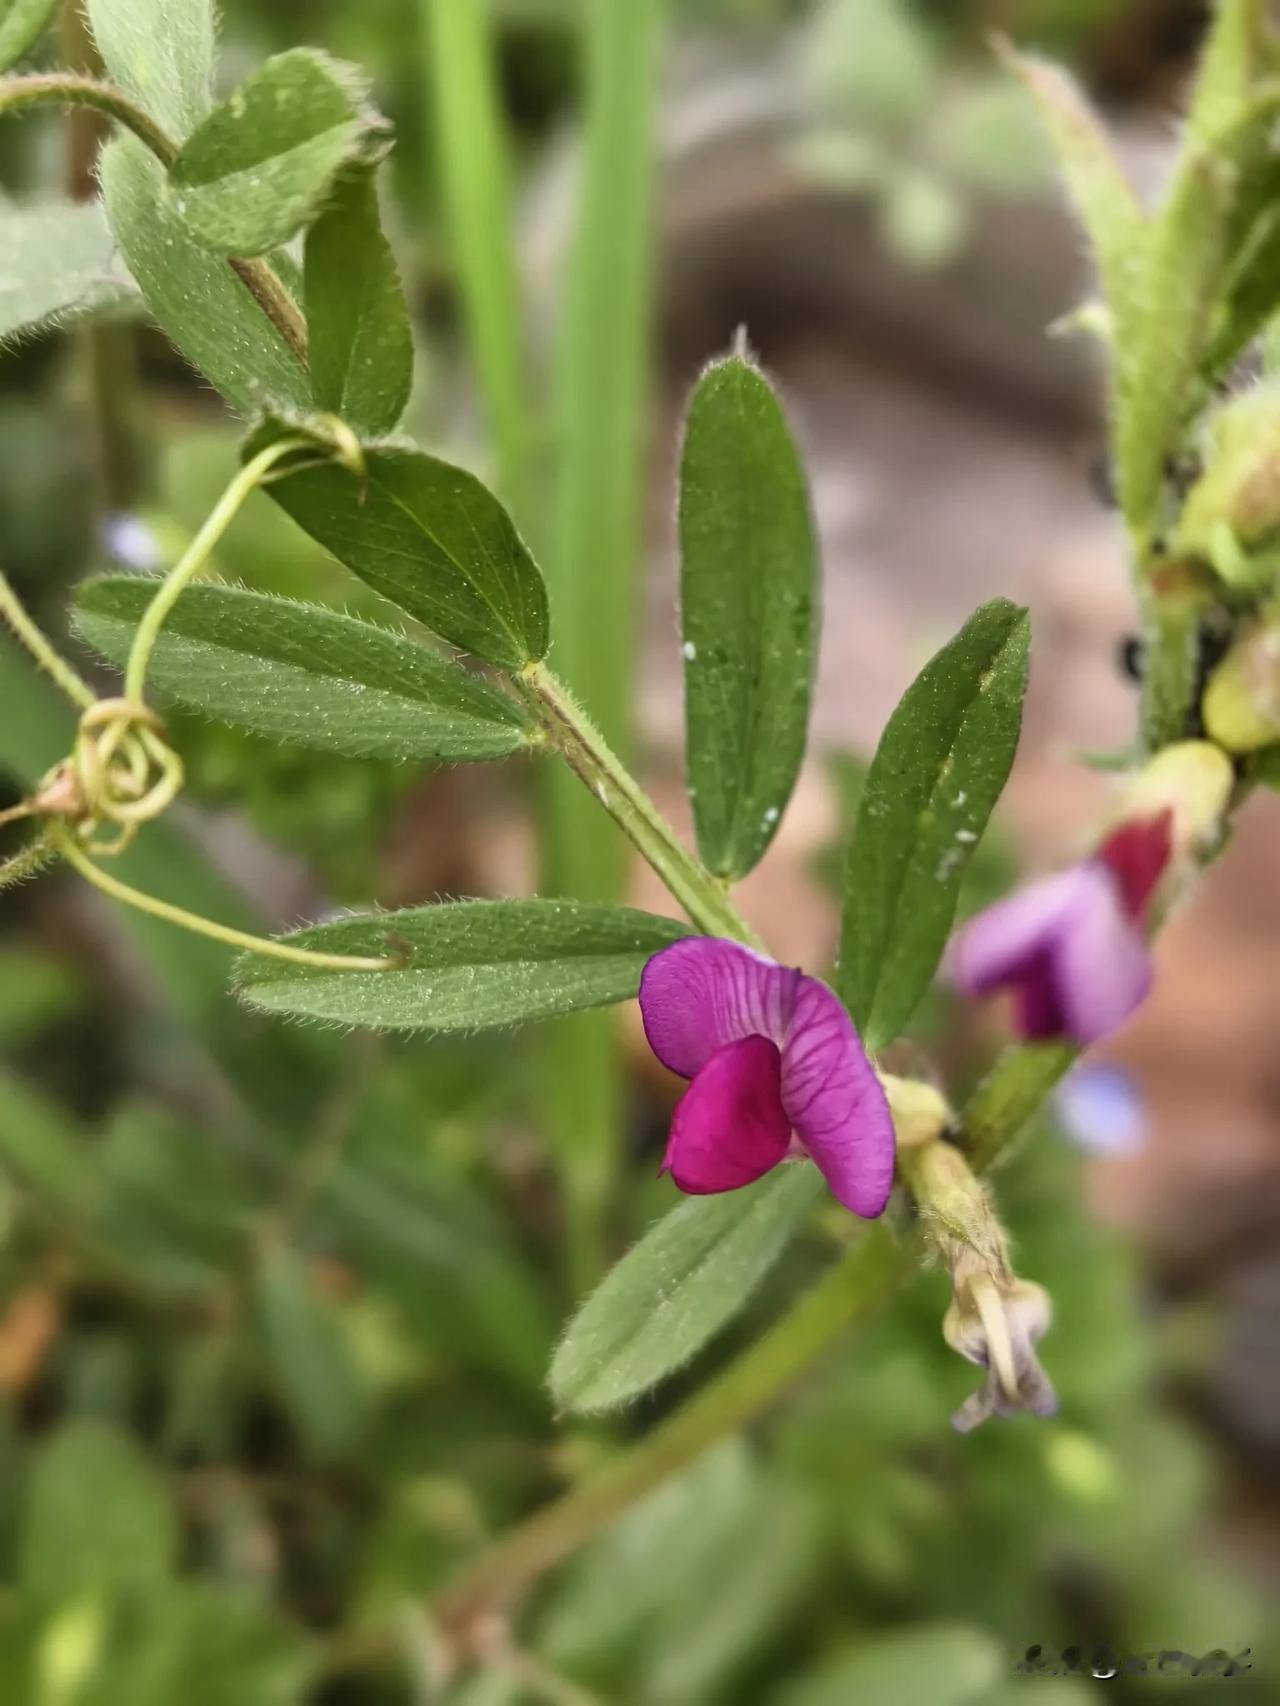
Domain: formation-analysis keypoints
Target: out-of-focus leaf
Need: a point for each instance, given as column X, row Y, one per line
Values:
column 1038, row 1691
column 1105, row 203
column 432, row 539
column 469, row 964
column 310, row 1357
column 676, row 1288
column 938, row 771
column 360, row 339
column 37, row 991
column 197, row 302
column 22, row 22
column 96, row 1519
column 260, row 164
column 60, row 265
column 304, row 674
column 939, row 1664
column 871, row 60
column 1229, row 62
column 748, row 597
column 42, row 1149
column 162, row 53
column 923, row 218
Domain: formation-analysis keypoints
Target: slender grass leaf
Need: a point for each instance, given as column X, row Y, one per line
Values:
column 305, row 675
column 310, row 1358
column 96, row 1519
column 360, row 339
column 471, row 964
column 433, row 540
column 197, row 302
column 260, row 165
column 162, row 53
column 22, row 23
column 748, row 612
column 676, row 1288
column 1104, row 201
column 938, row 771
column 61, row 264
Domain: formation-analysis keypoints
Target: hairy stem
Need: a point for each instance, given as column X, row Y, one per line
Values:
column 66, row 88
column 587, row 754
column 13, row 611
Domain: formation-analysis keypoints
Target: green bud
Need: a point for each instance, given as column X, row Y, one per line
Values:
column 1241, row 705
column 1192, row 780
column 1231, row 517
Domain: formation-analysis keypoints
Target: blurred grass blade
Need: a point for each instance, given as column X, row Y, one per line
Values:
column 197, row 302
column 475, row 176
column 261, row 163
column 748, row 604
column 303, row 674
column 470, row 964
column 601, row 394
column 22, row 23
column 60, row 265
column 309, row 1358
column 938, row 771
column 359, row 336
column 162, row 53
column 676, row 1288
column 433, row 540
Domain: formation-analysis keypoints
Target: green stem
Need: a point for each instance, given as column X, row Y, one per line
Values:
column 1009, row 1095
column 64, row 88
column 194, row 559
column 1169, row 665
column 13, row 611
column 851, row 1291
column 588, row 754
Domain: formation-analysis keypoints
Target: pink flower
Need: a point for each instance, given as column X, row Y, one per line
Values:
column 777, row 1070
column 1072, row 946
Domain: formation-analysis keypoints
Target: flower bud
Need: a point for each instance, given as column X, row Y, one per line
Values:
column 1231, row 517
column 1192, row 781
column 1241, row 705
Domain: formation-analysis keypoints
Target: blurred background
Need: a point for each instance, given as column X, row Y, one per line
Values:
column 276, row 1304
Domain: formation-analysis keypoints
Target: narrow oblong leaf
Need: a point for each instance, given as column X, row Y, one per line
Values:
column 310, row 1357
column 162, row 53
column 198, row 303
column 748, row 612
column 259, row 166
column 1103, row 199
column 676, row 1288
column 60, row 265
column 937, row 773
column 468, row 965
column 359, row 335
column 432, row 539
column 1229, row 62
column 303, row 674
column 22, row 22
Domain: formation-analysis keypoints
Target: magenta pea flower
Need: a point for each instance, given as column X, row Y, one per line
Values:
column 1072, row 947
column 777, row 1071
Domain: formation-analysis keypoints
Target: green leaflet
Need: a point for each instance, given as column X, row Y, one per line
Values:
column 359, row 336
column 1229, row 62
column 60, row 265
column 306, row 675
column 22, row 22
column 933, row 1664
column 471, row 964
column 162, row 53
column 199, row 303
column 259, row 166
column 748, row 612
column 433, row 540
column 310, row 1357
column 938, row 771
column 677, row 1287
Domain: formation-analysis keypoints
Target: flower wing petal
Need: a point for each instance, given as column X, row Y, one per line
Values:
column 729, row 1127
column 835, row 1102
column 1103, row 964
column 702, row 992
column 994, row 947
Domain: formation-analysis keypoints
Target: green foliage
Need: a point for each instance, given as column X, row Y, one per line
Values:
column 748, row 598
column 468, row 964
column 60, row 265
column 431, row 539
column 358, row 327
column 162, row 53
column 97, row 1518
column 22, row 23
column 198, row 303
column 259, row 166
column 311, row 1358
column 306, row 675
column 939, row 1665
column 938, row 771
column 676, row 1288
